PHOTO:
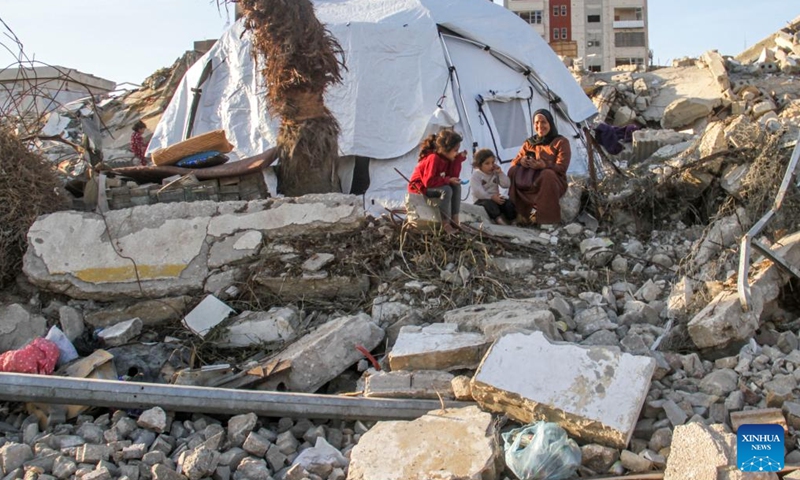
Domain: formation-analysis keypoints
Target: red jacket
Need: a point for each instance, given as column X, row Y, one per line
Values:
column 434, row 171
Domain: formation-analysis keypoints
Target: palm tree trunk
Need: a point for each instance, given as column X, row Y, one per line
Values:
column 300, row 59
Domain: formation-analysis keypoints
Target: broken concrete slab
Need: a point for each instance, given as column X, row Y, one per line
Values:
column 289, row 216
column 161, row 250
column 428, row 448
column 278, row 324
column 150, row 312
column 209, row 313
column 324, row 353
column 71, row 321
column 495, row 319
column 685, row 111
column 647, row 142
column 713, row 140
column 716, row 64
column 698, row 451
column 429, row 384
column 18, row 327
column 594, row 393
column 437, row 347
column 121, row 333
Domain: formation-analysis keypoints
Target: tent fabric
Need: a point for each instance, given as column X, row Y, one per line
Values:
column 397, row 87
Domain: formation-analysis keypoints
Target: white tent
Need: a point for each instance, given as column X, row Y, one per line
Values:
column 412, row 67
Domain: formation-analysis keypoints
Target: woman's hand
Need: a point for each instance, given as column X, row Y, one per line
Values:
column 538, row 164
column 454, row 181
column 527, row 162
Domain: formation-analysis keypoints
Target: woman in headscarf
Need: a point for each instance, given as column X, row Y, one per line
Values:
column 539, row 173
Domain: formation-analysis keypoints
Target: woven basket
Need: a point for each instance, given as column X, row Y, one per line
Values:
column 202, row 143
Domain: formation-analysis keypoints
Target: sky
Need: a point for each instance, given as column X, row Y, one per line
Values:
column 127, row 41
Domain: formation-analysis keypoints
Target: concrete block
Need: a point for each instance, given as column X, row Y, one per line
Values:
column 425, row 448
column 324, row 353
column 121, row 333
column 758, row 417
column 437, row 347
column 278, row 324
column 428, row 384
column 594, row 393
column 716, row 64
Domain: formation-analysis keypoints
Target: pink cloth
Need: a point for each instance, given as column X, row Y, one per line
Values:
column 39, row 356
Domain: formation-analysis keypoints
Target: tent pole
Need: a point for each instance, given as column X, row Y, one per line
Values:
column 457, row 82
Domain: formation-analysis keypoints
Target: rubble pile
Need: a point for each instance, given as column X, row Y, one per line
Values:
column 154, row 444
column 623, row 326
column 85, row 132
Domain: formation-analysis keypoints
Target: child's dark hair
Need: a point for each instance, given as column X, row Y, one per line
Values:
column 139, row 125
column 441, row 142
column 481, row 156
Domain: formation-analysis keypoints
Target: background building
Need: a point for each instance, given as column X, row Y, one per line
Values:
column 601, row 34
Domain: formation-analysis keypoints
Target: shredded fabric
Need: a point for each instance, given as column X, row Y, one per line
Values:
column 39, row 356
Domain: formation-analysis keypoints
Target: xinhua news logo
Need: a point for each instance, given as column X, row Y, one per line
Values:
column 759, row 448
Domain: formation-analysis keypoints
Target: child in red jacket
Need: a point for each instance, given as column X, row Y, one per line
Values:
column 437, row 174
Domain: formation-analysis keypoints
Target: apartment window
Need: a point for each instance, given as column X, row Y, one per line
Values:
column 564, row 35
column 534, row 17
column 563, row 10
column 556, row 10
column 593, row 19
column 629, row 61
column 629, row 39
column 594, row 68
column 593, row 43
column 556, row 34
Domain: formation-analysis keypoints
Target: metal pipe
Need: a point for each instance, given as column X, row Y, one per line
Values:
column 17, row 387
column 742, row 281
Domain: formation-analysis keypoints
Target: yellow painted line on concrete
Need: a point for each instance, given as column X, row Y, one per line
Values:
column 127, row 274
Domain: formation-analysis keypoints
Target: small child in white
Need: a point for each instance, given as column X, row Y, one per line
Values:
column 487, row 178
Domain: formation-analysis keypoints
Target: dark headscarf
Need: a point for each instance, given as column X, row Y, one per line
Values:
column 551, row 135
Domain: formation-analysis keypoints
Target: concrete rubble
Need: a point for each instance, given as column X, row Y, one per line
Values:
column 428, row 449
column 623, row 324
column 595, row 393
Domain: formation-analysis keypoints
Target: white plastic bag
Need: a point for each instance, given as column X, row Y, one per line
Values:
column 66, row 350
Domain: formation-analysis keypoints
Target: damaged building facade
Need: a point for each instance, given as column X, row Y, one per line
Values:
column 600, row 35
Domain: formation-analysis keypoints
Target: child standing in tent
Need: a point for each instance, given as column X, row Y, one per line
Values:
column 138, row 147
column 486, row 181
column 437, row 174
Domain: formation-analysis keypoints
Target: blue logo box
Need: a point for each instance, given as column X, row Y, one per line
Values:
column 759, row 448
